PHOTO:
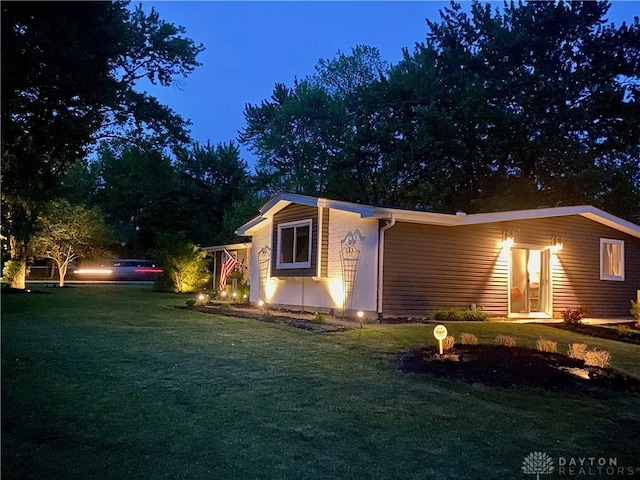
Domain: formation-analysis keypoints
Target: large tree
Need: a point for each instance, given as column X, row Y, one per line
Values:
column 69, row 75
column 534, row 105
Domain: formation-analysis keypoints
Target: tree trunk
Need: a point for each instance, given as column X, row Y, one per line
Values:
column 62, row 272
column 18, row 254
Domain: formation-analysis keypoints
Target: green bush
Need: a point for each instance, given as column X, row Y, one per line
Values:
column 635, row 310
column 190, row 303
column 185, row 268
column 459, row 315
column 319, row 318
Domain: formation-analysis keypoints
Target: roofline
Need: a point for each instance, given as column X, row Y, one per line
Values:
column 228, row 246
column 281, row 200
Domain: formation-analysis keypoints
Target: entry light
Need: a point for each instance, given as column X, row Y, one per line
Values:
column 507, row 239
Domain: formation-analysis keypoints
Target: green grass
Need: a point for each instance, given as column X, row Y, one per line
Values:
column 117, row 382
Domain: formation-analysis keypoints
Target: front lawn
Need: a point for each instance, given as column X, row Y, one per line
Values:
column 117, row 382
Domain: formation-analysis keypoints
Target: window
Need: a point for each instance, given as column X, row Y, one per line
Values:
column 611, row 259
column 294, row 245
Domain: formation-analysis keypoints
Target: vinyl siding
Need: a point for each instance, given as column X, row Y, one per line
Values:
column 429, row 267
column 293, row 213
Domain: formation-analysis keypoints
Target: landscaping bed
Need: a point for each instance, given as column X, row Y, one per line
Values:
column 627, row 332
column 308, row 325
column 500, row 366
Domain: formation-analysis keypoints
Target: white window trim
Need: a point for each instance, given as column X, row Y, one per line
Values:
column 603, row 276
column 300, row 223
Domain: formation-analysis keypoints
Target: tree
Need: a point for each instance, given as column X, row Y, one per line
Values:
column 211, row 179
column 184, row 264
column 536, row 105
column 69, row 72
column 68, row 232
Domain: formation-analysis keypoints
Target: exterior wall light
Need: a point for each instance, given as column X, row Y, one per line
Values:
column 507, row 239
column 556, row 244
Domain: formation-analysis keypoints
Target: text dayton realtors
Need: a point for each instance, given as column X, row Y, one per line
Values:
column 593, row 466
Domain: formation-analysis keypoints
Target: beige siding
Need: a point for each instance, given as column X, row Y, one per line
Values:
column 429, row 267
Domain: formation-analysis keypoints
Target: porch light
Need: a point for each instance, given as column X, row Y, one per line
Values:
column 507, row 239
column 556, row 244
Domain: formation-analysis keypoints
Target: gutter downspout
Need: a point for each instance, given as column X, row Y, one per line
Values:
column 389, row 224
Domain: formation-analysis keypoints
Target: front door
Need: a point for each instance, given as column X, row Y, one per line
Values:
column 530, row 283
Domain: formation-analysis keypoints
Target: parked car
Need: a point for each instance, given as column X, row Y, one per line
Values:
column 120, row 269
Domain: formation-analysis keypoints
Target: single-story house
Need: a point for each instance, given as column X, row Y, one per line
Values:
column 317, row 254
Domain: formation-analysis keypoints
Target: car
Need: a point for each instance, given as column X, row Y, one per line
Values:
column 120, row 269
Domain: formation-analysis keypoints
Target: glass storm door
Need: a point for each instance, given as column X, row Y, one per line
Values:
column 530, row 282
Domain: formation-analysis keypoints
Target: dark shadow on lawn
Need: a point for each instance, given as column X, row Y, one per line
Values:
column 505, row 367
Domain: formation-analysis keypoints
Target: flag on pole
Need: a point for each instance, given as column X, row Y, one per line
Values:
column 229, row 263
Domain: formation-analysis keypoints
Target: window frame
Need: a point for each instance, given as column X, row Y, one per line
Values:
column 283, row 226
column 606, row 276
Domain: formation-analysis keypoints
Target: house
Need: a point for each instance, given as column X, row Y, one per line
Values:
column 317, row 254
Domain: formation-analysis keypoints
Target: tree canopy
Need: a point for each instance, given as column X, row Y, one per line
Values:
column 69, row 74
column 531, row 104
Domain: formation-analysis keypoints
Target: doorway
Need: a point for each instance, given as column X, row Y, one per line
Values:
column 530, row 283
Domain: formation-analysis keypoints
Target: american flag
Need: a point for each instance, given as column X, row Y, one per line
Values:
column 229, row 263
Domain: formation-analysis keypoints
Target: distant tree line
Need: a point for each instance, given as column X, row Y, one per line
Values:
column 532, row 104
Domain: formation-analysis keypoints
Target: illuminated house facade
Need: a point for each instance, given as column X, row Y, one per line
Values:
column 323, row 255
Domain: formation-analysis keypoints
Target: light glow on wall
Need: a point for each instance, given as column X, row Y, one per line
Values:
column 336, row 290
column 270, row 288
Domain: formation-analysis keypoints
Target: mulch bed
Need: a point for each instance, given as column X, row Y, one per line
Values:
column 302, row 324
column 505, row 367
column 629, row 333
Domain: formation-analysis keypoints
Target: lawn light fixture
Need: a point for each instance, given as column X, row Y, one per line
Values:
column 507, row 239
column 234, row 294
column 360, row 315
column 223, row 294
column 201, row 297
column 261, row 303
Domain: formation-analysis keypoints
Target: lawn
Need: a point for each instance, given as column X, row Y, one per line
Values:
column 118, row 382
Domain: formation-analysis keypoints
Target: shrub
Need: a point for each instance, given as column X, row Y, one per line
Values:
column 544, row 345
column 226, row 306
column 577, row 350
column 448, row 342
column 597, row 358
column 468, row 339
column 190, row 303
column 319, row 318
column 574, row 315
column 474, row 316
column 505, row 340
column 458, row 315
column 635, row 311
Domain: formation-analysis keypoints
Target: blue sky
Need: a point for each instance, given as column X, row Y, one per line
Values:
column 251, row 46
